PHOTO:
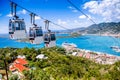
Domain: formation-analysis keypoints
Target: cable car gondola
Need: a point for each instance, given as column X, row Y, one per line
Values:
column 49, row 37
column 17, row 27
column 35, row 33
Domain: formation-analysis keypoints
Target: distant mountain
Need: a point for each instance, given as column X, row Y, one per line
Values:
column 71, row 30
column 78, row 29
column 4, row 35
column 111, row 27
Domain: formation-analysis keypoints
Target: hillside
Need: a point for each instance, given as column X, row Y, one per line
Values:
column 102, row 28
column 59, row 66
column 4, row 35
column 111, row 27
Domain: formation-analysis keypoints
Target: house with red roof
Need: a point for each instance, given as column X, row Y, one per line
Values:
column 18, row 65
column 20, row 61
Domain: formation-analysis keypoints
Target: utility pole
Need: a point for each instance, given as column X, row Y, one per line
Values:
column 6, row 69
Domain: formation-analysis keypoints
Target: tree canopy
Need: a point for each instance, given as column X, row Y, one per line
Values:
column 59, row 66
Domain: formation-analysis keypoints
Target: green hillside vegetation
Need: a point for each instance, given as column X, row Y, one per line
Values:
column 111, row 27
column 59, row 66
column 71, row 35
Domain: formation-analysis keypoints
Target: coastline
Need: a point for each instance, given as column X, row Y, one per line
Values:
column 99, row 52
column 26, row 44
column 108, row 35
column 98, row 57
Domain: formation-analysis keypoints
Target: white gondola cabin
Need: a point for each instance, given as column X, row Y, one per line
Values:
column 50, row 39
column 17, row 29
column 36, row 35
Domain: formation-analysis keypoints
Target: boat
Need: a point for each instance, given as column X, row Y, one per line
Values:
column 65, row 44
column 116, row 48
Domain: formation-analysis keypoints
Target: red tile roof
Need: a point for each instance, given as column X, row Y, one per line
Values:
column 19, row 65
column 21, row 61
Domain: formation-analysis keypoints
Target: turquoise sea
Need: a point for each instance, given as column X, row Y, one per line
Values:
column 88, row 42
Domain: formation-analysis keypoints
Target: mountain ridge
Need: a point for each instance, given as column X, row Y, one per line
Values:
column 111, row 27
column 103, row 28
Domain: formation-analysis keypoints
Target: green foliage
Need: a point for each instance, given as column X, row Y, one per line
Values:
column 14, row 77
column 74, row 34
column 59, row 66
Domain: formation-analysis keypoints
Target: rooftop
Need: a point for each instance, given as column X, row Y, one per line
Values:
column 18, row 64
column 21, row 61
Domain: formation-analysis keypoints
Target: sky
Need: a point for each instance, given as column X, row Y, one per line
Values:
column 61, row 12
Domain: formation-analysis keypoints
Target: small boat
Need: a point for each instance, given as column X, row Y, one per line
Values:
column 115, row 48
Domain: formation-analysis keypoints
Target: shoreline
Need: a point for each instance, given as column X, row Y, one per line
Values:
column 99, row 52
column 79, row 48
column 107, row 35
column 98, row 57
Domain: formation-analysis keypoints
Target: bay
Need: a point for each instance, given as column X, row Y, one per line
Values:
column 88, row 42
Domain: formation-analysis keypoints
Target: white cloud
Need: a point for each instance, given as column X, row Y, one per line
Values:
column 4, row 29
column 82, row 16
column 63, row 25
column 37, row 18
column 80, row 23
column 108, row 9
column 70, row 7
column 61, row 22
column 70, row 24
column 73, row 9
column 19, row 12
column 22, row 12
column 9, row 15
column 76, row 23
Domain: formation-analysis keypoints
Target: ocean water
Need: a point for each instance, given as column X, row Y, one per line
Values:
column 88, row 42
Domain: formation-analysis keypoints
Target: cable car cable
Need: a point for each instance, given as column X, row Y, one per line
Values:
column 81, row 11
column 88, row 17
column 41, row 16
